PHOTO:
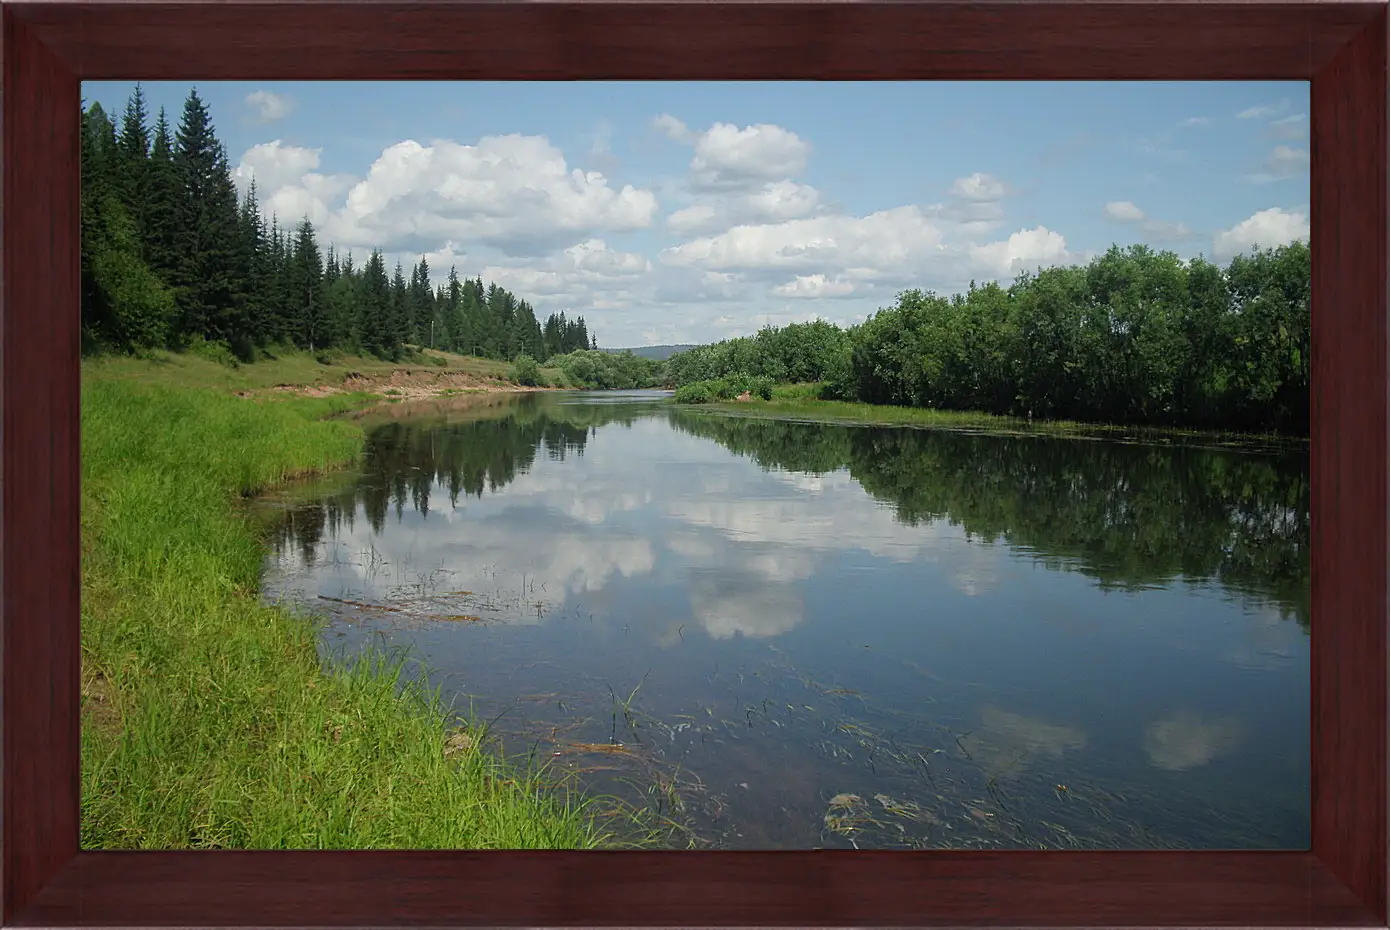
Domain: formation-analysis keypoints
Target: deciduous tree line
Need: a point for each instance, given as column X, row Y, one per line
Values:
column 1135, row 337
column 172, row 255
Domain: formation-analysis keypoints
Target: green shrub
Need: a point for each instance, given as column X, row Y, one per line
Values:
column 722, row 388
column 218, row 352
column 697, row 393
column 729, row 388
column 597, row 369
column 526, row 371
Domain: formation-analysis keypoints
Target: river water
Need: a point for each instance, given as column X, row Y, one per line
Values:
column 768, row 634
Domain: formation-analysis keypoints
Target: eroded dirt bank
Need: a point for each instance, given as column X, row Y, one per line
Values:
column 403, row 382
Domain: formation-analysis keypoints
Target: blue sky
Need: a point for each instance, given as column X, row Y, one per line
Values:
column 687, row 212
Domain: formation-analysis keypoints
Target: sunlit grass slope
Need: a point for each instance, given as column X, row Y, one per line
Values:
column 209, row 719
column 283, row 366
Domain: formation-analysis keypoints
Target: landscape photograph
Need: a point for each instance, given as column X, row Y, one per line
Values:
column 698, row 466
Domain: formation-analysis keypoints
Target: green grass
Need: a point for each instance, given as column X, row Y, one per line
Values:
column 209, row 719
column 285, row 366
column 803, row 402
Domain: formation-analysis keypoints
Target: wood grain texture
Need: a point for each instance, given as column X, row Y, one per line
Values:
column 48, row 47
column 1348, row 462
column 39, row 475
column 696, row 889
column 696, row 40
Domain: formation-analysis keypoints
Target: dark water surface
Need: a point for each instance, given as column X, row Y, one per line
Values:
column 789, row 635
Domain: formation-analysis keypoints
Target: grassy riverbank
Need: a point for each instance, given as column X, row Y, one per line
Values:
column 208, row 719
column 803, row 402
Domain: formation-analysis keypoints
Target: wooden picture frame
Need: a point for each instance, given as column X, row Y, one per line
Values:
column 50, row 47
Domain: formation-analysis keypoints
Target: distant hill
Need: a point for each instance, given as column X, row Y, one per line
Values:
column 660, row 353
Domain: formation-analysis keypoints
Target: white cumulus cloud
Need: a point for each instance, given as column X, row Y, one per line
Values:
column 275, row 165
column 784, row 200
column 1266, row 229
column 835, row 255
column 740, row 177
column 774, row 201
column 513, row 192
column 815, row 286
column 1124, row 211
column 288, row 182
column 586, row 274
column 885, row 238
column 672, row 128
column 1264, row 110
column 978, row 186
column 1283, row 162
column 727, row 156
column 268, row 107
column 1024, row 250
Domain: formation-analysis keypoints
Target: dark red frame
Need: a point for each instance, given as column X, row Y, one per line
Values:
column 50, row 47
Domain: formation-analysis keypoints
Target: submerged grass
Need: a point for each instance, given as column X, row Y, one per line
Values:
column 210, row 719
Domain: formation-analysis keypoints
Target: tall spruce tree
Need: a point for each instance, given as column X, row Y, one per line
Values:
column 422, row 304
column 252, row 260
column 306, row 289
column 206, row 232
column 400, row 306
column 342, row 303
column 451, row 313
column 95, row 188
column 374, row 306
column 163, row 204
column 279, row 322
column 134, row 167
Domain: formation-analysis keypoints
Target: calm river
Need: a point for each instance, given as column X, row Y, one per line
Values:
column 770, row 634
